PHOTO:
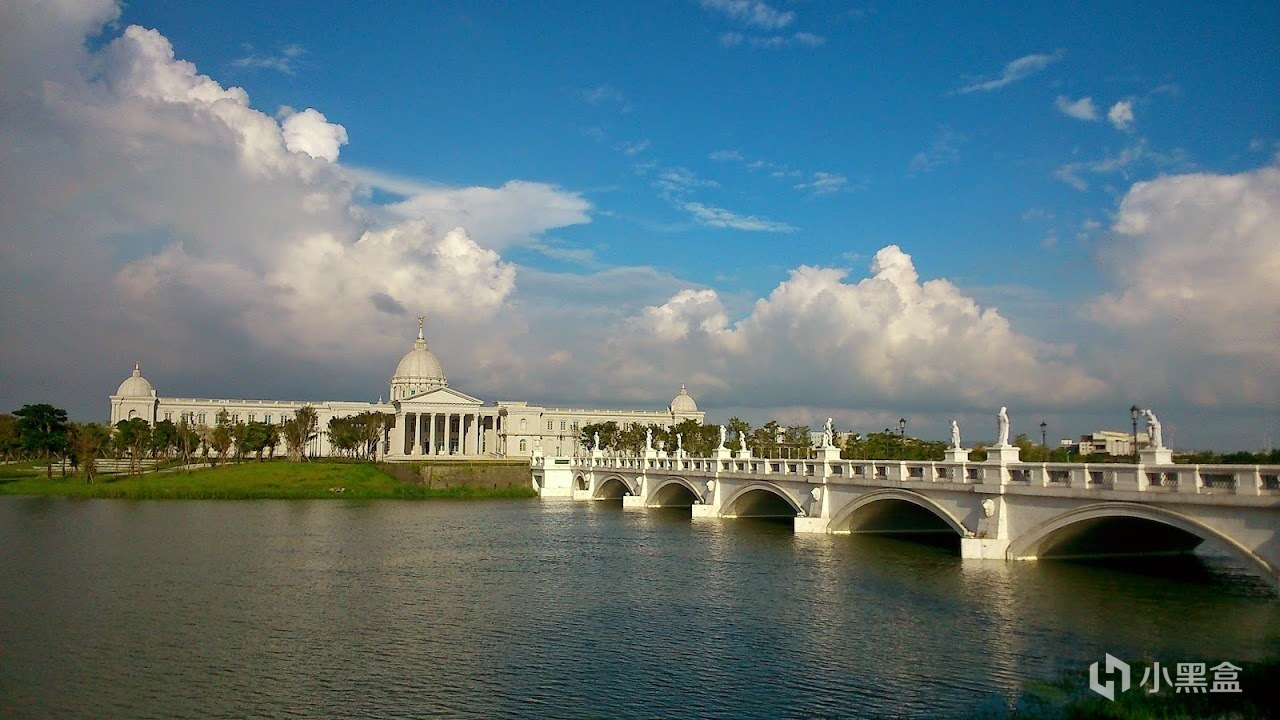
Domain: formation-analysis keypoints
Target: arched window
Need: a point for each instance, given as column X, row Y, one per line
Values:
column 524, row 425
column 522, row 446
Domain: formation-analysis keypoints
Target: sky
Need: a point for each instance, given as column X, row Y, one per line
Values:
column 799, row 209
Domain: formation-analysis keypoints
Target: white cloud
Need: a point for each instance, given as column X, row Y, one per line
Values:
column 1014, row 71
column 1138, row 154
column 1082, row 109
column 1195, row 262
column 310, row 132
column 817, row 340
column 767, row 42
column 285, row 61
column 678, row 181
column 631, row 149
column 723, row 155
column 753, row 13
column 1121, row 114
column 721, row 218
column 824, row 183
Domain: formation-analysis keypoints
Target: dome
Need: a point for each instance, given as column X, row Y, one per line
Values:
column 683, row 403
column 418, row 371
column 135, row 385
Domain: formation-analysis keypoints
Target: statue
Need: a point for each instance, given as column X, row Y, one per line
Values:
column 648, row 438
column 742, row 441
column 829, row 434
column 1155, row 437
column 710, row 494
column 955, row 434
column 680, row 442
column 597, row 441
column 723, row 434
column 815, row 503
column 1003, row 422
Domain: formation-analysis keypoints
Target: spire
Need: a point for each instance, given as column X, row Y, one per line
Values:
column 421, row 342
column 682, row 391
column 137, row 370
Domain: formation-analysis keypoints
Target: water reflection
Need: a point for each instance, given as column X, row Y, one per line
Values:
column 511, row 609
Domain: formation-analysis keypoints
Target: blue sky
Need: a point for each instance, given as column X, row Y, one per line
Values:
column 629, row 152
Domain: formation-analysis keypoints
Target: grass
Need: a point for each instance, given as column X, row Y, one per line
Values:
column 250, row 481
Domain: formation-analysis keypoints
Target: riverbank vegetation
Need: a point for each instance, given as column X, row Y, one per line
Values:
column 245, row 481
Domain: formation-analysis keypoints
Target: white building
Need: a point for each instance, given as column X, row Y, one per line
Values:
column 1110, row 442
column 432, row 419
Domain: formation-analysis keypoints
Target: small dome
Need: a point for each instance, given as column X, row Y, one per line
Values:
column 683, row 403
column 135, row 385
column 418, row 371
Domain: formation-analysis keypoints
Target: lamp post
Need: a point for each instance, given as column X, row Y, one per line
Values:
column 1044, row 445
column 1133, row 413
column 902, row 438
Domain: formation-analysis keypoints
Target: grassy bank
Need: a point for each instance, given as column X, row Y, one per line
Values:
column 252, row 481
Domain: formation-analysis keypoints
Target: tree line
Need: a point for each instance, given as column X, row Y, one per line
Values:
column 44, row 432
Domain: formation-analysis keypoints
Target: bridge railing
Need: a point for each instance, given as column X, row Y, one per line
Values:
column 1166, row 478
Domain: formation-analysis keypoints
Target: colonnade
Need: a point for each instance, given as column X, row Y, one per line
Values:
column 443, row 433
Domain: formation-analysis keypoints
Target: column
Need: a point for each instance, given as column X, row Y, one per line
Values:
column 473, row 434
column 417, row 433
column 447, row 417
column 431, row 434
column 397, row 435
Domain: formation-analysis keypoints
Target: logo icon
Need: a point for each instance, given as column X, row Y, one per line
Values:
column 1108, row 689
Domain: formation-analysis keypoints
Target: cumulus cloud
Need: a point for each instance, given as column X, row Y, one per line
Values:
column 824, row 183
column 1015, row 70
column 310, row 132
column 819, row 340
column 1082, row 109
column 285, row 61
column 1195, row 262
column 1121, row 115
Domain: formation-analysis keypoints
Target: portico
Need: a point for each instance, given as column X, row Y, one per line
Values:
column 444, row 422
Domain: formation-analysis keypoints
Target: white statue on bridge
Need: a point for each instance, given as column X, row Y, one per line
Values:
column 648, row 438
column 723, row 434
column 709, row 496
column 742, row 441
column 829, row 434
column 1154, row 435
column 680, row 441
column 1002, row 420
column 955, row 434
column 597, row 441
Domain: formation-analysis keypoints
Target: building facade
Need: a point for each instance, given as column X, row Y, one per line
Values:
column 432, row 419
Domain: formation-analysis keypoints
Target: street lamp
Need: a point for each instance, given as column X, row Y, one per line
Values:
column 1133, row 413
column 902, row 434
column 1044, row 445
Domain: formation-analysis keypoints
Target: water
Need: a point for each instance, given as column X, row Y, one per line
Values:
column 520, row 609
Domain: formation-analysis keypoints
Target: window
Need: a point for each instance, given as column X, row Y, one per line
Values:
column 551, row 425
column 266, row 419
column 235, row 418
column 524, row 424
column 522, row 446
column 201, row 418
column 252, row 417
column 168, row 416
column 575, row 427
column 561, row 426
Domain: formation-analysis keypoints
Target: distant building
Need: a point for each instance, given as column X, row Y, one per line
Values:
column 432, row 419
column 1108, row 442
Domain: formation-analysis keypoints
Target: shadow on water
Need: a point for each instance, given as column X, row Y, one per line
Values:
column 1203, row 571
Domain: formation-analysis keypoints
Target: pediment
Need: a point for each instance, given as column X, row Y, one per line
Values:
column 441, row 396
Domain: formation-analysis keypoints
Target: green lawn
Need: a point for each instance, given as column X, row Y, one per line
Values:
column 249, row 481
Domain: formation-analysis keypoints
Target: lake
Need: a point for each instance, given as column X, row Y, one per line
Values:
column 506, row 609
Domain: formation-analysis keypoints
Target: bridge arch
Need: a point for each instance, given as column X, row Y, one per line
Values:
column 674, row 491
column 1061, row 530
column 612, row 488
column 753, row 500
column 580, row 482
column 841, row 521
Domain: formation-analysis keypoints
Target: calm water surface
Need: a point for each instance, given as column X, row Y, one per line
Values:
column 518, row 609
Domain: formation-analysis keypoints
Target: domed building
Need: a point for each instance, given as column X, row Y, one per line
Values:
column 432, row 419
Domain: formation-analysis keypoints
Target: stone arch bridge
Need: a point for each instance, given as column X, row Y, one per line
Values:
column 999, row 509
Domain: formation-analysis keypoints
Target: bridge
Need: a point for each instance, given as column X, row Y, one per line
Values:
column 1000, row 508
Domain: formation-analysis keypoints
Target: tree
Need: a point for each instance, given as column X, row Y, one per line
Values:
column 188, row 439
column 610, row 434
column 797, row 437
column 699, row 440
column 738, row 428
column 375, row 425
column 164, row 437
column 88, row 441
column 299, row 430
column 254, row 438
column 765, row 439
column 220, row 437
column 10, row 440
column 42, row 429
column 134, row 437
